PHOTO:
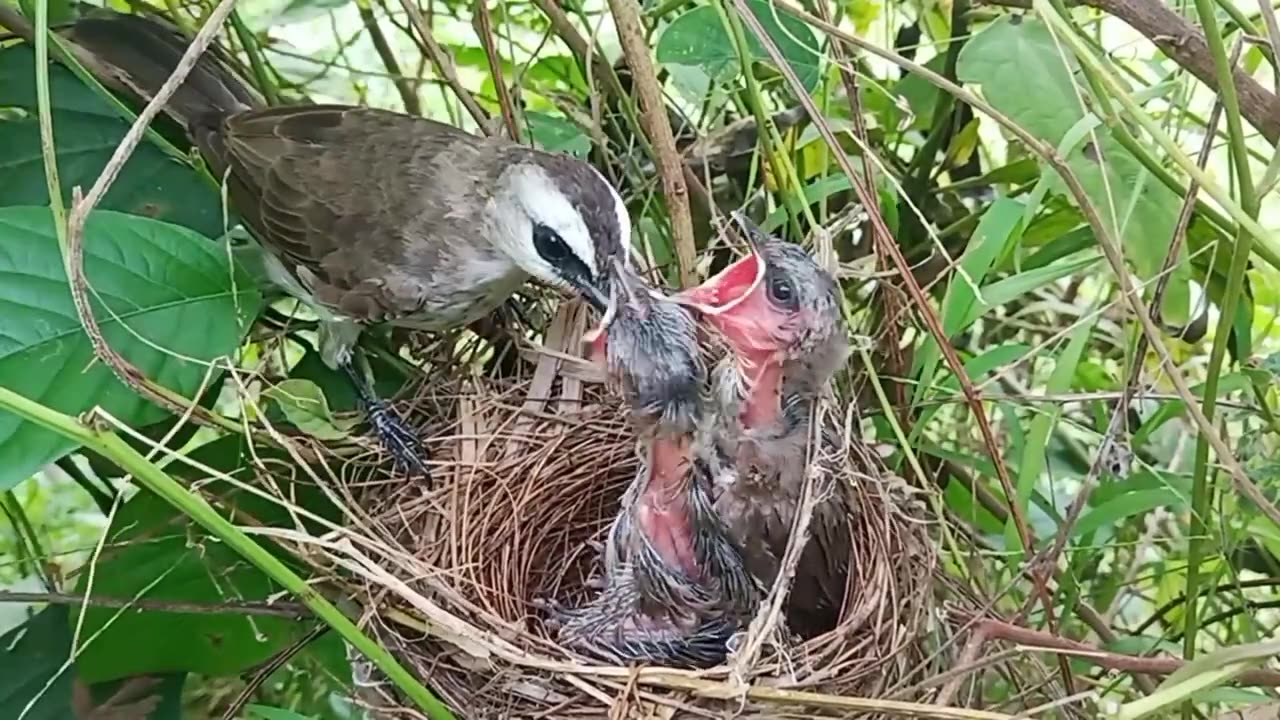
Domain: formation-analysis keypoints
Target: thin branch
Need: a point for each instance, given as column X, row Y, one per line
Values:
column 405, row 86
column 1036, row 640
column 268, row 668
column 1106, row 241
column 290, row 610
column 1117, row 434
column 71, row 234
column 444, row 66
column 890, row 247
column 626, row 15
column 483, row 26
column 1273, row 38
column 598, row 66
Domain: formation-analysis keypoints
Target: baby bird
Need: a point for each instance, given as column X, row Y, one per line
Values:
column 779, row 314
column 675, row 588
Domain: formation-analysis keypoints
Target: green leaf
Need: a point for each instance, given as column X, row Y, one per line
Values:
column 1032, row 463
column 297, row 11
column 1023, row 74
column 554, row 133
column 162, row 555
column 997, row 228
column 1015, row 286
column 1112, row 512
column 60, row 11
column 304, row 405
column 976, row 369
column 920, row 94
column 336, row 386
column 32, row 656
column 149, row 697
column 698, row 38
column 87, row 129
column 166, row 299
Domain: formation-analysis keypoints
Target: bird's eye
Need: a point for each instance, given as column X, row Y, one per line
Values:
column 781, row 292
column 549, row 244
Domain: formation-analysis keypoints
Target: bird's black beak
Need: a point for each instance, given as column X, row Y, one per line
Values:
column 592, row 293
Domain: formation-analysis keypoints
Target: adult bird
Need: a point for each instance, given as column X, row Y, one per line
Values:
column 675, row 590
column 370, row 216
column 779, row 314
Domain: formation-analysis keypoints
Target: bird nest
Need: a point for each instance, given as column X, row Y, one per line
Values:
column 528, row 472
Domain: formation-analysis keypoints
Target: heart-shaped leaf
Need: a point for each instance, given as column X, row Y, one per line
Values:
column 1023, row 73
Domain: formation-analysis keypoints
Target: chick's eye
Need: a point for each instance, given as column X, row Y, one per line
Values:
column 780, row 291
column 549, row 244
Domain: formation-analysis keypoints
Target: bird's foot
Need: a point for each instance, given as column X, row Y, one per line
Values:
column 394, row 435
column 398, row 439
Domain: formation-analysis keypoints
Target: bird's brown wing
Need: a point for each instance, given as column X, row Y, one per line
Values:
column 331, row 189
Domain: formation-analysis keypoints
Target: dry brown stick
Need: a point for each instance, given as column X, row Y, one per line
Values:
column 404, row 85
column 444, row 66
column 1183, row 43
column 890, row 247
column 626, row 16
column 483, row 26
column 1037, row 640
column 82, row 206
column 891, row 345
column 243, row 607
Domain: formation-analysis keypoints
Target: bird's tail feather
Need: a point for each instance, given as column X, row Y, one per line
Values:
column 137, row 54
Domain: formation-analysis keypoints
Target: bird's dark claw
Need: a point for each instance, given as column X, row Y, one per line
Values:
column 398, row 439
column 392, row 431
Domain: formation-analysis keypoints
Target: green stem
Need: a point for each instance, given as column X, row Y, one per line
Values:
column 783, row 173
column 31, row 555
column 1202, row 487
column 48, row 149
column 146, row 474
column 920, row 172
column 256, row 62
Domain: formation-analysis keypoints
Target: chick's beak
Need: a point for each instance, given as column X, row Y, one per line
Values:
column 735, row 303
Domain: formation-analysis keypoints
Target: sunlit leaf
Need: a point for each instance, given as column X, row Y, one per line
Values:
column 305, row 406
